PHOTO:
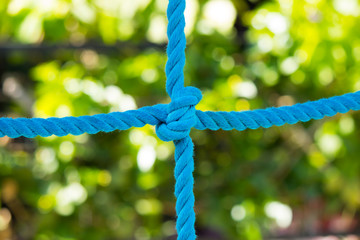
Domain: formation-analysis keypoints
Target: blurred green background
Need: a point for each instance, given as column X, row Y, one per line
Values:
column 83, row 57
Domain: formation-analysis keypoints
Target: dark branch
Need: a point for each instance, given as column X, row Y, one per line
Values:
column 101, row 47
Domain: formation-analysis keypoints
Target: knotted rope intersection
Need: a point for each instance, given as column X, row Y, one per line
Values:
column 174, row 121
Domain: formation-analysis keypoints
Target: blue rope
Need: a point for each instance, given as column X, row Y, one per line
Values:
column 44, row 127
column 180, row 119
column 300, row 112
column 157, row 115
column 175, row 120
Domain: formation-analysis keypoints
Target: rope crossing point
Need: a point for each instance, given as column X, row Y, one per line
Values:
column 157, row 115
column 174, row 121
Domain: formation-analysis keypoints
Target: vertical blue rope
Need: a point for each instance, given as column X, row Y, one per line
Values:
column 180, row 119
column 176, row 48
column 184, row 167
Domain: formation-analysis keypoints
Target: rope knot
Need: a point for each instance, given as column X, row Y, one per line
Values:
column 180, row 115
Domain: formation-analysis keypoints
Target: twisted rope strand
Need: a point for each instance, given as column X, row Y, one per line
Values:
column 32, row 127
column 184, row 168
column 176, row 48
column 180, row 119
column 157, row 114
column 300, row 112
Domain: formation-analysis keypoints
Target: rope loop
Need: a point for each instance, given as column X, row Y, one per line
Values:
column 181, row 115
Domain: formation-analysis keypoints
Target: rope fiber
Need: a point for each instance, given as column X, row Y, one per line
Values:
column 175, row 120
column 157, row 115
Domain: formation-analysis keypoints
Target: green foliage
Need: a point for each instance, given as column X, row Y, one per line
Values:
column 243, row 56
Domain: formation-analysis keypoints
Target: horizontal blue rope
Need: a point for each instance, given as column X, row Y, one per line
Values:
column 157, row 114
column 31, row 127
column 278, row 116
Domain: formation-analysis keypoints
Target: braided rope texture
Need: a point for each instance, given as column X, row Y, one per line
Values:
column 175, row 120
column 181, row 117
column 157, row 115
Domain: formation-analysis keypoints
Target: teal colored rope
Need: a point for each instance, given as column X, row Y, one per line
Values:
column 157, row 116
column 175, row 120
column 180, row 119
column 44, row 127
column 300, row 112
